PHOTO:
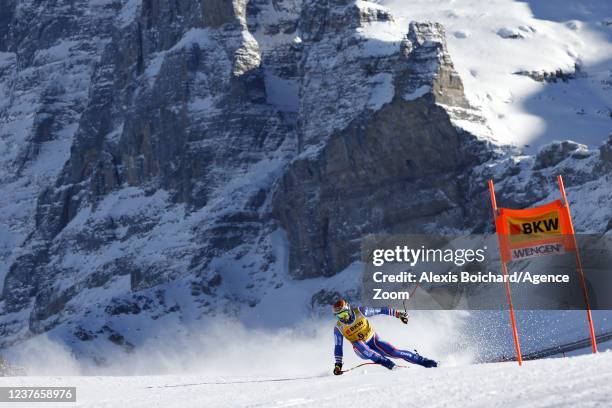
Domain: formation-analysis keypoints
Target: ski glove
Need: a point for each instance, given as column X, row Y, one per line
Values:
column 403, row 316
column 338, row 369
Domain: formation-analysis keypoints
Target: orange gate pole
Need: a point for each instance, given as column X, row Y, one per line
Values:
column 517, row 345
column 585, row 292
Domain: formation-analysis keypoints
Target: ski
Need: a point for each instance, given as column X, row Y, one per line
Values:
column 364, row 364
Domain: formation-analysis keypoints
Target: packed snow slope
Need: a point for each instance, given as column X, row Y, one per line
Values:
column 565, row 382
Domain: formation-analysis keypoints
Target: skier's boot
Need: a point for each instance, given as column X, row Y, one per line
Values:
column 387, row 363
column 424, row 361
column 427, row 363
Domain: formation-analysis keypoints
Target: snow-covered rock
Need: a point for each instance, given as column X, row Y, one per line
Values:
column 511, row 33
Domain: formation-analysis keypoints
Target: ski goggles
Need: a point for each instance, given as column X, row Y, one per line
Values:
column 343, row 315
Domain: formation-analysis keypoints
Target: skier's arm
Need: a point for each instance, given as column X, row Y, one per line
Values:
column 338, row 341
column 373, row 311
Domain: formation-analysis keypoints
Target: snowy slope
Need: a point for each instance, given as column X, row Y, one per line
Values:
column 566, row 382
column 491, row 43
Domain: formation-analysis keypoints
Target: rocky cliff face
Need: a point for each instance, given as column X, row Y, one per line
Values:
column 156, row 155
column 363, row 160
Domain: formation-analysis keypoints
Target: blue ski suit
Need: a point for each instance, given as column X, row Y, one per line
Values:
column 366, row 342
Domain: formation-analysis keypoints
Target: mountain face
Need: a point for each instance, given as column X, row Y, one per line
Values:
column 158, row 156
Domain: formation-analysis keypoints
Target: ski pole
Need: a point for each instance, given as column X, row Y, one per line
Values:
column 412, row 293
column 404, row 301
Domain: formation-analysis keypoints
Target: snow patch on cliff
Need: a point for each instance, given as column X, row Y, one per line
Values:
column 128, row 12
column 417, row 93
column 382, row 92
column 282, row 93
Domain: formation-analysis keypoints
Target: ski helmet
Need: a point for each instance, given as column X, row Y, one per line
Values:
column 342, row 309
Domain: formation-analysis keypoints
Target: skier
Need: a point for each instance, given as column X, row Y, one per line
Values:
column 353, row 324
